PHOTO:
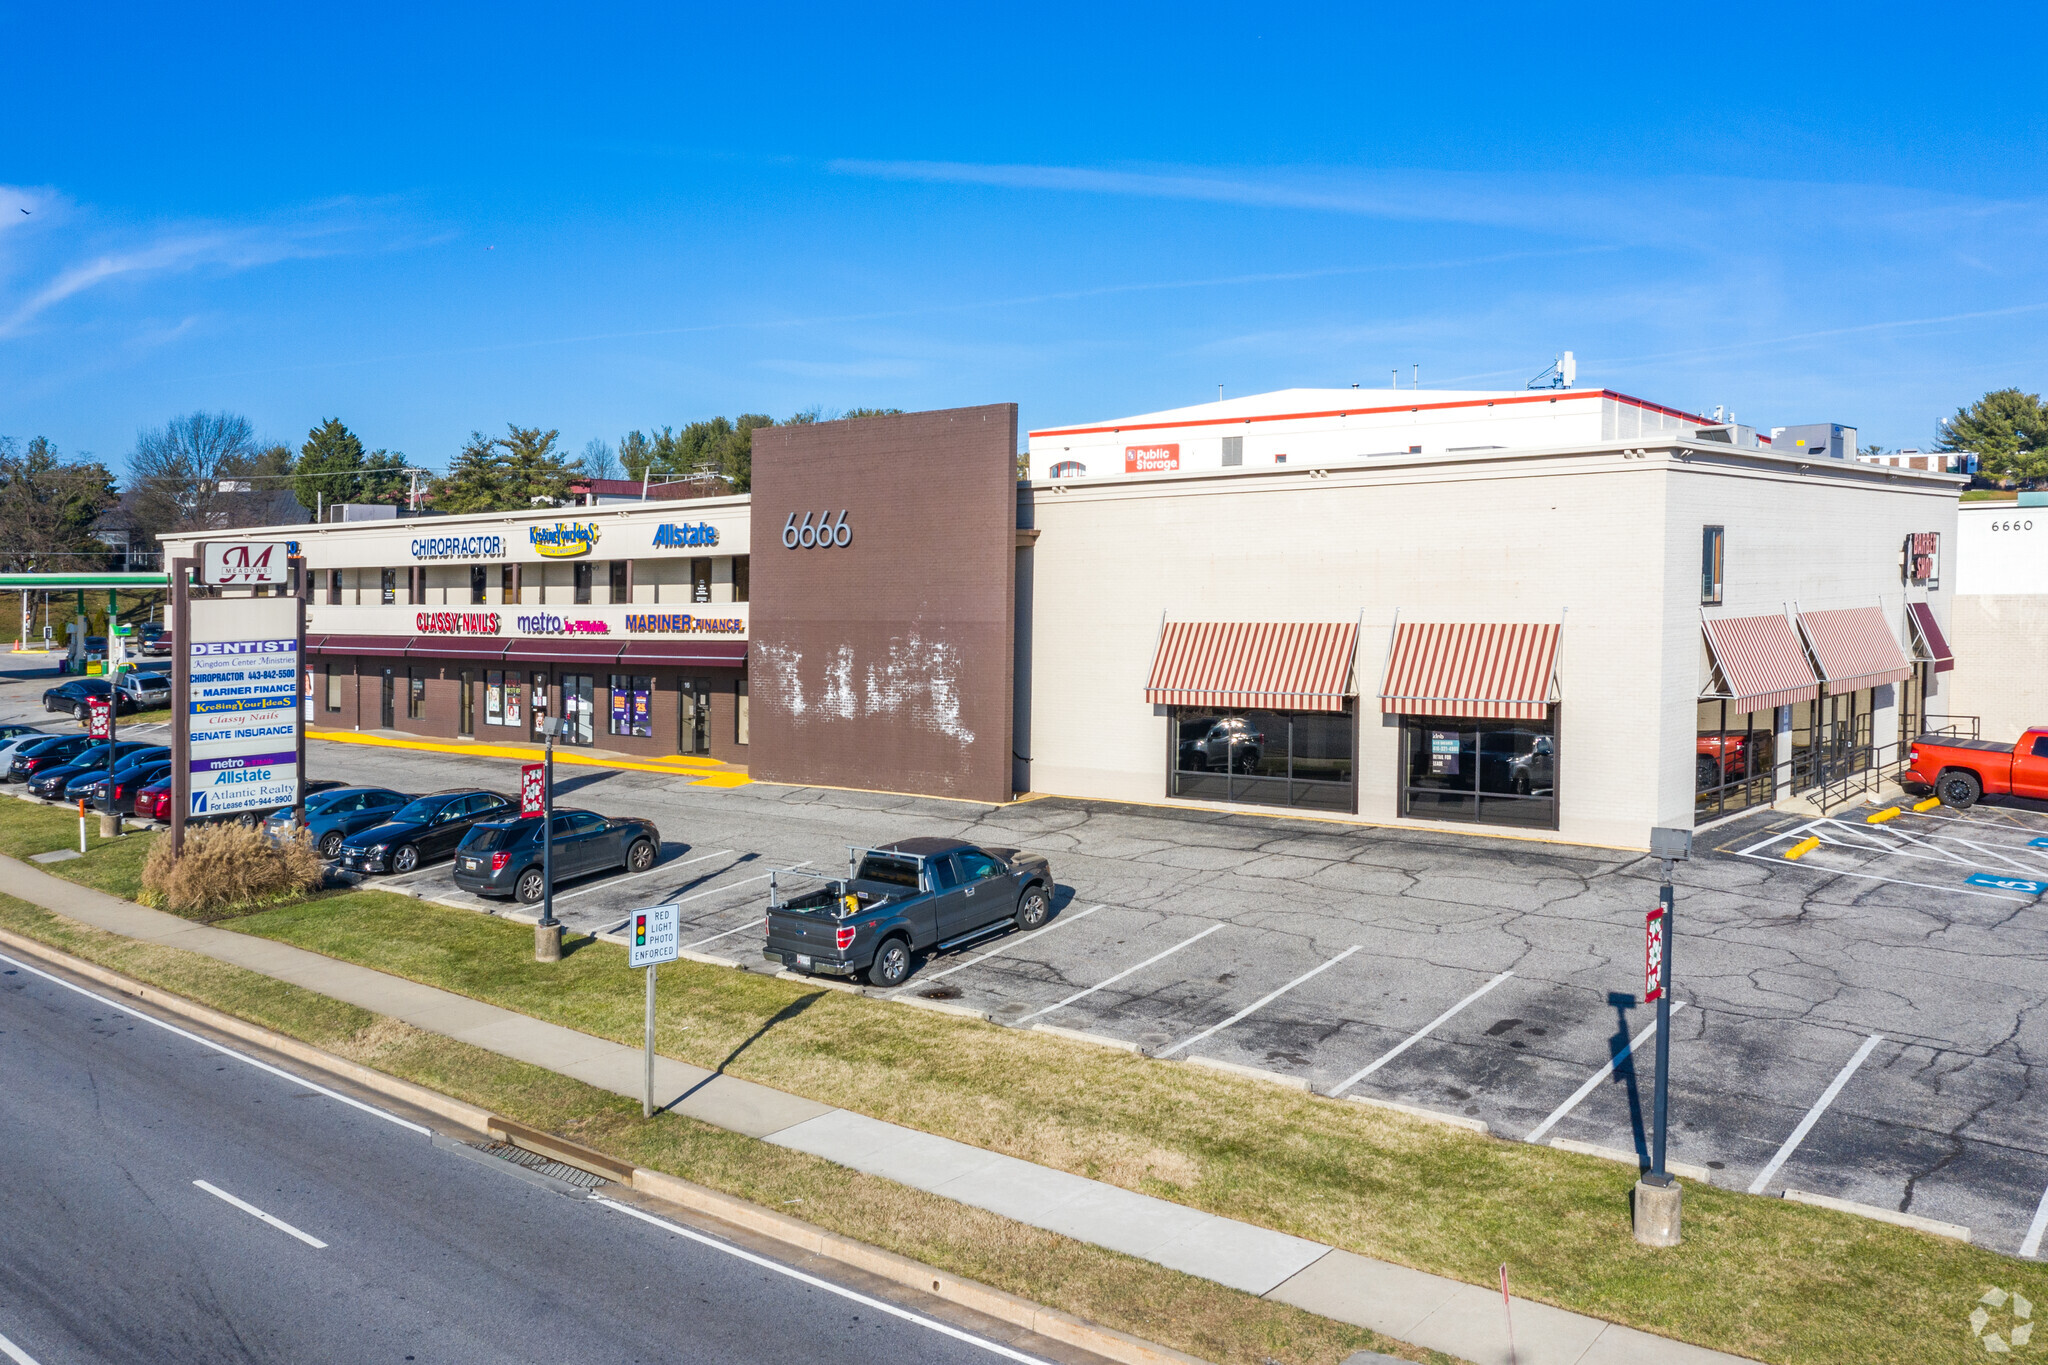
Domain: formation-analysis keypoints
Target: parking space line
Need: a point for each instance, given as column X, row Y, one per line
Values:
column 2032, row 1246
column 619, row 881
column 1597, row 1077
column 1820, row 1106
column 1260, row 1003
column 1795, row 834
column 1896, row 881
column 1121, row 975
column 246, row 1207
column 1412, row 1039
column 1005, row 946
column 15, row 1353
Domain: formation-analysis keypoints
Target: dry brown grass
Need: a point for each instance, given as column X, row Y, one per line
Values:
column 226, row 868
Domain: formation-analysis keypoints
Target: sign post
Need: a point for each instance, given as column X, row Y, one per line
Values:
column 657, row 938
column 1658, row 1196
column 102, row 724
column 547, row 934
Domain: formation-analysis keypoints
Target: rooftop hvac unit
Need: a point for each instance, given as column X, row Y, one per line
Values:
column 362, row 511
column 1727, row 434
column 1829, row 439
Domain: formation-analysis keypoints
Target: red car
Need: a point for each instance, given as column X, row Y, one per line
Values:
column 1961, row 770
column 153, row 802
column 1725, row 757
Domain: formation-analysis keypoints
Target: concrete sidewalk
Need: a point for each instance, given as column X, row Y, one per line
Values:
column 1427, row 1310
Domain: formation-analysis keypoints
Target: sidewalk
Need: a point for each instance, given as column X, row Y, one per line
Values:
column 1427, row 1310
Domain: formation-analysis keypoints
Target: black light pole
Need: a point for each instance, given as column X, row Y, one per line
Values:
column 547, row 935
column 1658, row 1196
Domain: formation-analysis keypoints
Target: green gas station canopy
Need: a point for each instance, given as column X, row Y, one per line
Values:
column 84, row 580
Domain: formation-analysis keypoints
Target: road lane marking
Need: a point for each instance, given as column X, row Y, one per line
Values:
column 1597, row 1077
column 1004, row 947
column 1120, row 975
column 129, row 1011
column 636, row 876
column 1261, row 1003
column 2032, row 1246
column 879, row 1305
column 1820, row 1106
column 15, row 1353
column 1412, row 1039
column 246, row 1207
column 759, row 918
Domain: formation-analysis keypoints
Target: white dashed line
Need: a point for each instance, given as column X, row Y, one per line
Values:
column 246, row 1207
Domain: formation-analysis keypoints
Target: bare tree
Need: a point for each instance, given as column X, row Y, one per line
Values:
column 204, row 471
column 598, row 460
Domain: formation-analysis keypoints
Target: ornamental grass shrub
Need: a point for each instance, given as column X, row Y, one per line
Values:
column 228, row 867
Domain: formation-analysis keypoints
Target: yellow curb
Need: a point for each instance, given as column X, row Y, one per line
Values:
column 1803, row 847
column 1879, row 817
column 673, row 767
column 1929, row 804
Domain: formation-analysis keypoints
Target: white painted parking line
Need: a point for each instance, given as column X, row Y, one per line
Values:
column 15, row 1353
column 1895, row 881
column 634, row 877
column 1597, row 1077
column 1827, row 1097
column 1121, row 975
column 1004, row 947
column 738, row 929
column 2032, row 1246
column 276, row 1222
column 1260, row 1003
column 1412, row 1039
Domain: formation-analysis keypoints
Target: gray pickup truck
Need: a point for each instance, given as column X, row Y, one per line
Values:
column 902, row 899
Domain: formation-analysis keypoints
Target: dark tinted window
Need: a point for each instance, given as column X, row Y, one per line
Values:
column 2041, row 746
column 945, row 872
column 978, row 866
column 879, row 867
column 422, row 810
column 582, row 821
column 491, row 838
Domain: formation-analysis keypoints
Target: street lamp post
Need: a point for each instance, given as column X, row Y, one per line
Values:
column 1658, row 1197
column 547, row 935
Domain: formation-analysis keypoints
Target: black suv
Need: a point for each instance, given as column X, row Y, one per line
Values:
column 429, row 827
column 503, row 858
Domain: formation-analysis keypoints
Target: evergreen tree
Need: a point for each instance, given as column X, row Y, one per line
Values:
column 2007, row 429
column 536, row 473
column 333, row 467
column 476, row 480
column 49, row 507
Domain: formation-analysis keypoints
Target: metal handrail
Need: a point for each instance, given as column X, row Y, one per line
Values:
column 1955, row 726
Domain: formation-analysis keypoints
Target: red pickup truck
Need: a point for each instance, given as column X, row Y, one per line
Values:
column 1961, row 770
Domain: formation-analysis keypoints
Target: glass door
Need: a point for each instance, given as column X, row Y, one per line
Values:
column 579, row 708
column 384, row 703
column 539, row 706
column 466, row 708
column 696, row 717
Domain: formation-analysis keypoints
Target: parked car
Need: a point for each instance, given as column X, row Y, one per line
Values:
column 70, row 698
column 503, row 858
column 145, row 689
column 152, row 640
column 12, row 737
column 333, row 815
column 1728, row 756
column 12, row 732
column 43, row 754
column 126, row 781
column 1226, row 741
column 428, row 827
column 1962, row 771
column 153, row 801
column 907, row 898
column 50, row 781
column 150, row 755
column 1534, row 773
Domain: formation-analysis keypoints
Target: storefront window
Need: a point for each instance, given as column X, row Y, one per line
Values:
column 539, row 697
column 1269, row 758
column 465, row 712
column 700, row 580
column 1490, row 772
column 580, row 576
column 416, row 694
column 632, row 705
column 334, row 587
column 387, row 586
column 579, row 708
column 479, row 584
column 1734, row 759
column 334, row 677
column 740, row 569
column 494, row 696
column 621, row 580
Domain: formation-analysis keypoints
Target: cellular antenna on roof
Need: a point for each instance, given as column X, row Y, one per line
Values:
column 1561, row 373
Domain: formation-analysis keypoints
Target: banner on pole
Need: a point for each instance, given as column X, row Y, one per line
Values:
column 532, row 788
column 1653, row 955
column 99, row 716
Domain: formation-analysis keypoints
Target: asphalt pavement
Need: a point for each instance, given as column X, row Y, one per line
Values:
column 165, row 1199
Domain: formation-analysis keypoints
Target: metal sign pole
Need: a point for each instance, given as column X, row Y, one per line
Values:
column 647, row 1102
column 1658, row 1174
column 1658, row 1198
column 181, row 701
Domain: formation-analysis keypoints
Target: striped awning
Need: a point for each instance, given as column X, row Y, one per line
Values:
column 1929, row 644
column 1758, row 662
column 1493, row 669
column 1854, row 647
column 1283, row 667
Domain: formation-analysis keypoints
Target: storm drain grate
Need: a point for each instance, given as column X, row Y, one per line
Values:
column 534, row 1161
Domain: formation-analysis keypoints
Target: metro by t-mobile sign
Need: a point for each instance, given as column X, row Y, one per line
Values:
column 1653, row 956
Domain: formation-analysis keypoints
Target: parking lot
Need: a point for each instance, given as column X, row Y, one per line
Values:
column 1860, row 1023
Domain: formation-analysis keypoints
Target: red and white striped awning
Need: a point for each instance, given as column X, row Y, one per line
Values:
column 1855, row 648
column 1759, row 663
column 1492, row 669
column 1282, row 667
column 1929, row 644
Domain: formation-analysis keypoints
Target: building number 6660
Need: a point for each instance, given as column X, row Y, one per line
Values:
column 825, row 534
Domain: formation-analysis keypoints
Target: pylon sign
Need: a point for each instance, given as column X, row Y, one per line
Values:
column 245, row 563
column 242, row 704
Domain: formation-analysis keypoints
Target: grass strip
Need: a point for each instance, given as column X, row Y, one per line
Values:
column 1160, row 1305
column 110, row 865
column 1756, row 1276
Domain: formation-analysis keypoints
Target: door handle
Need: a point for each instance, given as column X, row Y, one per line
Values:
column 970, row 890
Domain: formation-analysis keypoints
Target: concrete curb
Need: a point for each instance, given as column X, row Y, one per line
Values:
column 940, row 1007
column 1077, row 1036
column 1698, row 1174
column 1955, row 1232
column 995, row 1303
column 1416, row 1111
column 1252, row 1073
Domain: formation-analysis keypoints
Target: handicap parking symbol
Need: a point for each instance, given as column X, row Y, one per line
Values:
column 2020, row 884
column 2038, row 843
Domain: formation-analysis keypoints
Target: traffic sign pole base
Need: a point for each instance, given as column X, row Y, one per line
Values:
column 1657, row 1213
column 547, row 942
column 110, row 825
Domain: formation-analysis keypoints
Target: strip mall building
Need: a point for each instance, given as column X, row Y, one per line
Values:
column 1566, row 613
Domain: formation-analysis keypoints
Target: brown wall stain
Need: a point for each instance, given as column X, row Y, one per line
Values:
column 887, row 662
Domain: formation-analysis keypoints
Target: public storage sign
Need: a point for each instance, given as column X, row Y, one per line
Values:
column 1151, row 459
column 243, row 705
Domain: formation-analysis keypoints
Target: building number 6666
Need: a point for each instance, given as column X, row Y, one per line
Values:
column 825, row 534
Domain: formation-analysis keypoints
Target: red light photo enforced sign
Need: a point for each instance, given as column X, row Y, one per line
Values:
column 1653, row 955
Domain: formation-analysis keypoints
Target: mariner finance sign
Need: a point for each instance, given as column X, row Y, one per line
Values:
column 243, row 705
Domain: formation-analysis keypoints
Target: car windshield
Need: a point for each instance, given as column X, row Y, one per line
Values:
column 491, row 838
column 880, row 867
column 422, row 810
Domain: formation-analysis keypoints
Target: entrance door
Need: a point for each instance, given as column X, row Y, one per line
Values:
column 540, row 702
column 466, row 710
column 696, row 717
column 384, row 703
column 579, row 708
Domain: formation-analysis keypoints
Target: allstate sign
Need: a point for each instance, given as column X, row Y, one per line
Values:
column 671, row 537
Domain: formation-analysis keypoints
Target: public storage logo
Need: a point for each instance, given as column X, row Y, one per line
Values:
column 2002, row 1321
column 565, row 539
column 682, row 623
column 1151, row 459
column 669, row 537
column 456, row 623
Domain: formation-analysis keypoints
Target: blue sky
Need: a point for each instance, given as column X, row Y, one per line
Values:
column 425, row 219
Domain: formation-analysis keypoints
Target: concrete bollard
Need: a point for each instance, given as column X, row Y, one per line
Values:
column 1657, row 1213
column 547, row 942
column 110, row 825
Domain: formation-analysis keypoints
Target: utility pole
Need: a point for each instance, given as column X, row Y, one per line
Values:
column 1658, row 1197
column 547, row 935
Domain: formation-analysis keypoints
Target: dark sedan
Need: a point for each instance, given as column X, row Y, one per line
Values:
column 332, row 816
column 44, row 754
column 71, row 698
column 428, row 828
column 127, row 782
column 503, row 858
column 49, row 782
column 92, row 766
